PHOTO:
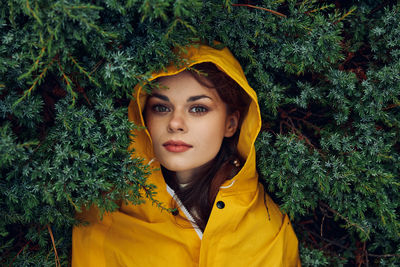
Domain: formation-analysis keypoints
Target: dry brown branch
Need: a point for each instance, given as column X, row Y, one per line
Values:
column 262, row 8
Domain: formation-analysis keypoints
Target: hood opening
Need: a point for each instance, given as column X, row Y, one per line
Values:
column 199, row 194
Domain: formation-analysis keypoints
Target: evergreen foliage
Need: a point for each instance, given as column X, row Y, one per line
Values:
column 328, row 80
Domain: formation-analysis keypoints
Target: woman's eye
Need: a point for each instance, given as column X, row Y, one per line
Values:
column 198, row 109
column 160, row 108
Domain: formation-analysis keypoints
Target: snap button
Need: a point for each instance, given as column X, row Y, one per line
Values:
column 220, row 204
column 175, row 212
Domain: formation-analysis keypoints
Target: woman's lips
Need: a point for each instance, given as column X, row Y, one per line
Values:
column 176, row 146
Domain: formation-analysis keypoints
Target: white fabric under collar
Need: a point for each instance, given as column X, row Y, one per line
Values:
column 185, row 211
column 229, row 185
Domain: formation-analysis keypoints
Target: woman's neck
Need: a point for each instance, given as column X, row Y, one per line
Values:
column 185, row 177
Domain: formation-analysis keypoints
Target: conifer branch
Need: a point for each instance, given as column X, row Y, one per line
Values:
column 312, row 234
column 346, row 15
column 149, row 194
column 227, row 4
column 351, row 120
column 28, row 144
column 90, row 25
column 319, row 9
column 85, row 7
column 391, row 106
column 36, row 64
column 20, row 251
column 384, row 255
column 67, row 83
column 98, row 64
column 83, row 71
column 73, row 204
column 36, row 81
column 174, row 24
column 350, row 223
column 262, row 8
column 33, row 13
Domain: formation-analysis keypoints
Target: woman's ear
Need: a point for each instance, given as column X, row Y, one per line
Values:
column 232, row 123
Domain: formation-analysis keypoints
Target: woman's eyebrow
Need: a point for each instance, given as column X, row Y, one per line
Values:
column 197, row 97
column 160, row 96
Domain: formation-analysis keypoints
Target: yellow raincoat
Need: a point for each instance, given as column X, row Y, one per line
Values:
column 248, row 230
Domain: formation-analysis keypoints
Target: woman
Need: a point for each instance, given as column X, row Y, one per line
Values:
column 202, row 122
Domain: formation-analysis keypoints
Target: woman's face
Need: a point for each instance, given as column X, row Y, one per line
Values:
column 187, row 123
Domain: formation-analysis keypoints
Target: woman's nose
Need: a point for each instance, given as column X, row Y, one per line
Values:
column 177, row 123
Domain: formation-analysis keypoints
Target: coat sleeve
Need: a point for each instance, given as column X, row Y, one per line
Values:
column 286, row 236
column 88, row 239
column 291, row 249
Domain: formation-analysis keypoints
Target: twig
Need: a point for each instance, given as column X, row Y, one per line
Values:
column 331, row 242
column 19, row 252
column 82, row 70
column 308, row 123
column 310, row 234
column 73, row 204
column 298, row 133
column 68, row 82
column 57, row 259
column 366, row 255
column 391, row 106
column 345, row 15
column 384, row 256
column 96, row 66
column 33, row 13
column 262, row 8
column 175, row 23
column 85, row 7
column 317, row 9
column 343, row 217
column 322, row 224
column 37, row 59
column 35, row 64
column 378, row 7
column 35, row 82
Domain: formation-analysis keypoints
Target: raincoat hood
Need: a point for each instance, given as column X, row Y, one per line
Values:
column 245, row 227
column 250, row 127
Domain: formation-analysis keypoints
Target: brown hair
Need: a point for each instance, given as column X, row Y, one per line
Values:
column 199, row 195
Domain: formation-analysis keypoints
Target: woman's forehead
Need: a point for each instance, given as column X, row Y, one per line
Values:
column 183, row 84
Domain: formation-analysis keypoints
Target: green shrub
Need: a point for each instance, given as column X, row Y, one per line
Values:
column 328, row 80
